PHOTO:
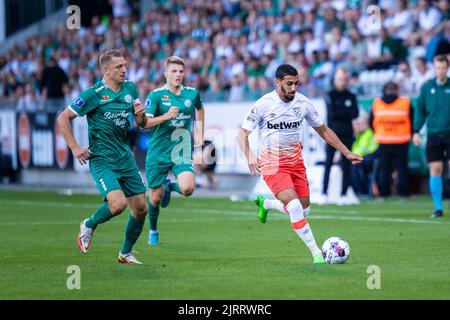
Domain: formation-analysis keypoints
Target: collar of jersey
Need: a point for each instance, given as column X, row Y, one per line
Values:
column 176, row 95
column 106, row 86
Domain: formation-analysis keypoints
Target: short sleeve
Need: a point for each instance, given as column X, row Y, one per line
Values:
column 85, row 103
column 251, row 120
column 198, row 101
column 151, row 104
column 312, row 116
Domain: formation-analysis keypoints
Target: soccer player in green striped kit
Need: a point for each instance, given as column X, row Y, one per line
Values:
column 433, row 108
column 169, row 113
column 107, row 106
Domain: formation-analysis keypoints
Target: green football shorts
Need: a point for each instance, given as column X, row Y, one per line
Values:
column 156, row 173
column 124, row 176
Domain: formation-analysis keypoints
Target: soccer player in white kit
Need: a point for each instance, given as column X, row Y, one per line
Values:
column 279, row 116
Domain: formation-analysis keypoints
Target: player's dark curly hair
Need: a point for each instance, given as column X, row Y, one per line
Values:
column 285, row 70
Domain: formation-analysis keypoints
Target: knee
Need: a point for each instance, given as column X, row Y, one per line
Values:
column 155, row 199
column 187, row 190
column 141, row 211
column 117, row 206
column 435, row 171
column 306, row 204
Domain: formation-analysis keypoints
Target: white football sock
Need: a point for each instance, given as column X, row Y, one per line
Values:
column 301, row 226
column 307, row 211
column 274, row 204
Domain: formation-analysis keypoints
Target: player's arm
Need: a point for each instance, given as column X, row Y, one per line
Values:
column 332, row 139
column 145, row 115
column 199, row 127
column 65, row 127
column 139, row 113
column 243, row 142
column 147, row 121
column 419, row 116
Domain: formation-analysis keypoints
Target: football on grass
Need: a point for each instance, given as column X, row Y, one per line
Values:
column 335, row 250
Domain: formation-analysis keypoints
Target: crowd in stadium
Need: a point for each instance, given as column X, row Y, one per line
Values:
column 233, row 47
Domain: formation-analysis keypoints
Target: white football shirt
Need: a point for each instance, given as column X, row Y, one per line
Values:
column 279, row 125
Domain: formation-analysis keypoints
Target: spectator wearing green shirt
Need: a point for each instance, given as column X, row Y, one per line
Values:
column 392, row 52
column 255, row 72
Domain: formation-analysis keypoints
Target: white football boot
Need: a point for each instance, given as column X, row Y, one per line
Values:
column 128, row 258
column 84, row 237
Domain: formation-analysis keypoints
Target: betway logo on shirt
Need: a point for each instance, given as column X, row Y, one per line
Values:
column 284, row 125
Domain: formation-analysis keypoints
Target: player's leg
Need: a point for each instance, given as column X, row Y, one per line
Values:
column 302, row 189
column 435, row 156
column 108, row 184
column 299, row 223
column 275, row 182
column 436, row 186
column 306, row 205
column 134, row 227
column 401, row 163
column 185, row 184
column 385, row 170
column 282, row 186
column 267, row 204
column 133, row 187
column 156, row 174
column 300, row 182
column 115, row 205
column 301, row 185
column 284, row 180
column 155, row 197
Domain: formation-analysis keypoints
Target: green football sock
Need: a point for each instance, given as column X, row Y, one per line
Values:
column 132, row 233
column 153, row 213
column 174, row 187
column 100, row 216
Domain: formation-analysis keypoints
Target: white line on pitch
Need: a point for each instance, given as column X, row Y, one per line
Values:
column 240, row 217
column 197, row 209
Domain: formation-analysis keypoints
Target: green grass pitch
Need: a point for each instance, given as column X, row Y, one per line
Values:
column 217, row 249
